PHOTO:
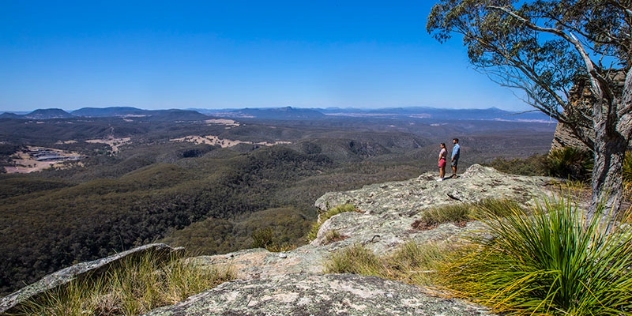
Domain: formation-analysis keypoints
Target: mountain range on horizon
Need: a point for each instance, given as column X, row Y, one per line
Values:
column 282, row 113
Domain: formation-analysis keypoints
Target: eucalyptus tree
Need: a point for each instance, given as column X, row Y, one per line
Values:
column 544, row 48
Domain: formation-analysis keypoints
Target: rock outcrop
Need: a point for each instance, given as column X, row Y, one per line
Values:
column 293, row 283
column 581, row 101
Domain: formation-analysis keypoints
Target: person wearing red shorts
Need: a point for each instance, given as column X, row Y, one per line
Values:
column 442, row 161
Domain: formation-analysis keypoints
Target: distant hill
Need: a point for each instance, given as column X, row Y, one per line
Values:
column 176, row 115
column 108, row 112
column 44, row 114
column 148, row 115
column 289, row 113
column 9, row 115
column 284, row 113
column 441, row 114
column 161, row 115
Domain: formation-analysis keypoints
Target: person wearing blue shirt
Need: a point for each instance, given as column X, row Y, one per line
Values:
column 456, row 154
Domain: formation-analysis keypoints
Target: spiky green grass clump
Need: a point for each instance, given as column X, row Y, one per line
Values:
column 136, row 286
column 327, row 215
column 551, row 262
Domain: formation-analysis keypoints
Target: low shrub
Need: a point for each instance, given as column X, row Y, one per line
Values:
column 262, row 238
column 570, row 163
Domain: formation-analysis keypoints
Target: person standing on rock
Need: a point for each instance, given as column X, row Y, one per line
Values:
column 442, row 161
column 456, row 154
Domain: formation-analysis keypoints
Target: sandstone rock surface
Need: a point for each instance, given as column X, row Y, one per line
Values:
column 293, row 283
column 317, row 295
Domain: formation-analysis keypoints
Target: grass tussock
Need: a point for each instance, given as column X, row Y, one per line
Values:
column 136, row 286
column 327, row 215
column 551, row 262
column 333, row 236
column 411, row 263
column 460, row 214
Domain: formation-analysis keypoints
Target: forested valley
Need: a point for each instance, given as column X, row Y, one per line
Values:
column 209, row 198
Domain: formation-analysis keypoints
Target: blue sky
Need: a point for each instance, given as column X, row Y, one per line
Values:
column 233, row 54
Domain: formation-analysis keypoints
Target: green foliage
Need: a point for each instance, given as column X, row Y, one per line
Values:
column 95, row 218
column 535, row 47
column 20, row 185
column 570, row 163
column 327, row 215
column 135, row 286
column 262, row 238
column 553, row 262
column 286, row 225
column 627, row 167
column 532, row 166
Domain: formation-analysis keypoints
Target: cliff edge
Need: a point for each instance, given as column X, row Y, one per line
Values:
column 293, row 282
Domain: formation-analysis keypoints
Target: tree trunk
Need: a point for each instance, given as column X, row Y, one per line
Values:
column 607, row 175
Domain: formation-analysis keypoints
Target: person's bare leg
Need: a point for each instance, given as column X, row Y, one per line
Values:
column 453, row 171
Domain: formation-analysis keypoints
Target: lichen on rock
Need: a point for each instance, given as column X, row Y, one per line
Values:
column 318, row 295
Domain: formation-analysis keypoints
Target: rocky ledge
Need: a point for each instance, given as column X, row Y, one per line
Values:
column 293, row 283
column 318, row 295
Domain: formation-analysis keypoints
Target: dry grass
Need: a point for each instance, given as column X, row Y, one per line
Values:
column 411, row 263
column 136, row 286
column 460, row 214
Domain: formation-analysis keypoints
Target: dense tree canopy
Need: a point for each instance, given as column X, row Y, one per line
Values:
column 545, row 48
